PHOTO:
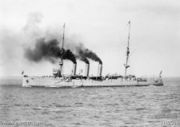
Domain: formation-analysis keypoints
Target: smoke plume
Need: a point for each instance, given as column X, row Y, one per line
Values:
column 67, row 54
column 81, row 52
column 89, row 54
column 84, row 59
column 86, row 53
column 48, row 50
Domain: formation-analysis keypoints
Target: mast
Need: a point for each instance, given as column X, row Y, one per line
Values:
column 128, row 50
column 62, row 49
column 62, row 46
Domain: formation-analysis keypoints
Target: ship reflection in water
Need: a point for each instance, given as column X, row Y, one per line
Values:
column 105, row 107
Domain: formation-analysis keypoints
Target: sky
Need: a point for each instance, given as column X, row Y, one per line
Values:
column 102, row 26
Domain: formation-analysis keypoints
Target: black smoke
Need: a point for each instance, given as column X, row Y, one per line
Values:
column 90, row 54
column 67, row 54
column 83, row 58
column 48, row 50
column 82, row 53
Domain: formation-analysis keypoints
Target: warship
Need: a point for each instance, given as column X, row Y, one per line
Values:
column 58, row 80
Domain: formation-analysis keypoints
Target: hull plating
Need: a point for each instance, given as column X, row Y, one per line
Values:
column 59, row 82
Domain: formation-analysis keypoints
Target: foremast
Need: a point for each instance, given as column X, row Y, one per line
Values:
column 61, row 58
column 126, row 66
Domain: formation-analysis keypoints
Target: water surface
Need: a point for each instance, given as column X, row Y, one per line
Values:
column 150, row 106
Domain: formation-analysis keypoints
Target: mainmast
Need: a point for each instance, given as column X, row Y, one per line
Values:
column 62, row 49
column 128, row 50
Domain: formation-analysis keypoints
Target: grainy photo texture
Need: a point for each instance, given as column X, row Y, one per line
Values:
column 89, row 63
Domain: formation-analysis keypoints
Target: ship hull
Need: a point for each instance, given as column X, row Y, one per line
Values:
column 74, row 83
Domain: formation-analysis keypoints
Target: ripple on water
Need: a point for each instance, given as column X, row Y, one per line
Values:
column 104, row 107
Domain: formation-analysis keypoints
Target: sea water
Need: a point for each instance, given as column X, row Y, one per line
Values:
column 149, row 106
